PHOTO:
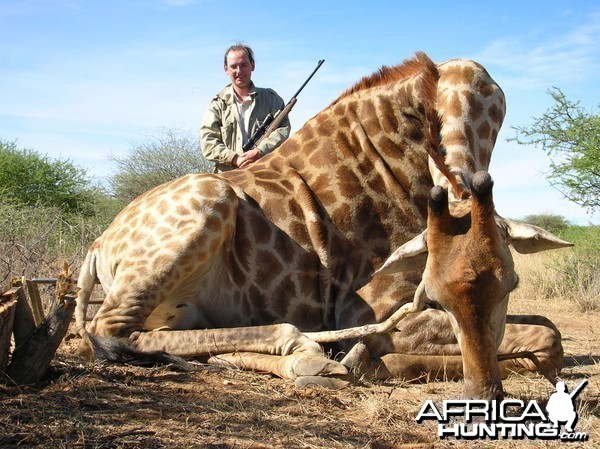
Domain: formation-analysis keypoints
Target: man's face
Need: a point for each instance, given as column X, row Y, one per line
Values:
column 239, row 68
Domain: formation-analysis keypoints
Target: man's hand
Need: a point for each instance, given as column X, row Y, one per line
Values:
column 248, row 158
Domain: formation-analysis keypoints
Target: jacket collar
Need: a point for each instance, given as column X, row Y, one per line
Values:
column 228, row 96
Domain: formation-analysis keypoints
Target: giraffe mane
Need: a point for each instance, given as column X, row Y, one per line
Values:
column 386, row 75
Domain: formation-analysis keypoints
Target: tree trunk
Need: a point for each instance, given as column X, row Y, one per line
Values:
column 34, row 349
column 8, row 302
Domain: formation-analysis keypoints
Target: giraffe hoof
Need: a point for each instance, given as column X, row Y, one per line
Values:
column 318, row 366
column 358, row 356
column 331, row 383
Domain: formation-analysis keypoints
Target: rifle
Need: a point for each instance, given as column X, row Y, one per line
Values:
column 272, row 122
column 577, row 390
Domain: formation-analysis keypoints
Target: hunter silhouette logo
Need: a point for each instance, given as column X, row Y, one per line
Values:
column 560, row 406
column 508, row 419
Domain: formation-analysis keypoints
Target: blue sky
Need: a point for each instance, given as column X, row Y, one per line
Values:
column 82, row 79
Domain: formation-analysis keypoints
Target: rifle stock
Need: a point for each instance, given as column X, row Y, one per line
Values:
column 279, row 117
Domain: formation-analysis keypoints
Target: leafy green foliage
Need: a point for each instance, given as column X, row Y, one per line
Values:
column 158, row 159
column 29, row 178
column 571, row 138
column 549, row 222
column 579, row 273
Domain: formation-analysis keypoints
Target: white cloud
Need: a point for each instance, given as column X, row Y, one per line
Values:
column 556, row 59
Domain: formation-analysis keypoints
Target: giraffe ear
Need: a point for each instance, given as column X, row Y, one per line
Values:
column 528, row 239
column 410, row 256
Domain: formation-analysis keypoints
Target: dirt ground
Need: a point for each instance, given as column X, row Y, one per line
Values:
column 84, row 405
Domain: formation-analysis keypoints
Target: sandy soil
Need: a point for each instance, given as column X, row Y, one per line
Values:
column 86, row 405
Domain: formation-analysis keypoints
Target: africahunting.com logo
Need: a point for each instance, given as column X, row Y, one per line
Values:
column 508, row 419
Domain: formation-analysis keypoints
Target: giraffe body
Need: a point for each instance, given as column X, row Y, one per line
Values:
column 213, row 264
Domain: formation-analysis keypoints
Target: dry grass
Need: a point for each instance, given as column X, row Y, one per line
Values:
column 85, row 405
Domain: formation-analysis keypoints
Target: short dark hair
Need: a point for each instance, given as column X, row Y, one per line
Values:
column 237, row 47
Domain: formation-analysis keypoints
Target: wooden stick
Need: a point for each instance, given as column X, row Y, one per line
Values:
column 36, row 301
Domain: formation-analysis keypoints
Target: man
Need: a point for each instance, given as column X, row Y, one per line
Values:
column 236, row 112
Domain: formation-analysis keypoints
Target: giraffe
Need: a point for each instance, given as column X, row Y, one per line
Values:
column 243, row 266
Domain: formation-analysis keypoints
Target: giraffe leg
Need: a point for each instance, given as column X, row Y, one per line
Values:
column 531, row 334
column 280, row 349
column 290, row 366
column 424, row 347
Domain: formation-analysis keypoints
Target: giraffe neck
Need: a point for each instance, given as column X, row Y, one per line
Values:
column 344, row 164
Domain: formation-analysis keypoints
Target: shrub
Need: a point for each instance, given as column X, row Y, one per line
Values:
column 36, row 241
column 549, row 222
column 568, row 274
column 30, row 179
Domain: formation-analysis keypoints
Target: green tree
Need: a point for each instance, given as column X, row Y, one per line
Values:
column 158, row 159
column 571, row 138
column 549, row 222
column 29, row 178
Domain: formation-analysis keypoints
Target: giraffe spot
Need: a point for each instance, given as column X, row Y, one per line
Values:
column 195, row 205
column 376, row 183
column 163, row 207
column 305, row 134
column 369, row 119
column 299, row 233
column 484, row 87
column 387, row 147
column 349, row 184
column 274, row 188
column 475, row 106
column 389, row 121
column 182, row 210
column 325, row 128
column 328, row 198
column 294, row 207
column 414, row 129
column 212, row 224
column 164, row 233
column 305, row 315
column 470, row 136
column 268, row 268
column 316, row 159
column 259, row 225
column 494, row 135
column 342, row 217
column 496, row 114
column 284, row 293
column 148, row 220
column 485, row 157
column 284, row 247
column 484, row 131
column 237, row 273
column 339, row 110
column 173, row 246
column 453, row 106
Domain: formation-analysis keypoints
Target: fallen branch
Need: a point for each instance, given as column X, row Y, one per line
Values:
column 34, row 351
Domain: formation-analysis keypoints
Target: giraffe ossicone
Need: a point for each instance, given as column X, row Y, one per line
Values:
column 242, row 266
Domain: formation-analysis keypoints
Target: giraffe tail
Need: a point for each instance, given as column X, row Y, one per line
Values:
column 111, row 349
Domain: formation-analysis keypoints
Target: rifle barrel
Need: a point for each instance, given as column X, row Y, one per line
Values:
column 577, row 390
column 319, row 64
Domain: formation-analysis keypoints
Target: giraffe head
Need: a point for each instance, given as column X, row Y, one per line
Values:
column 469, row 271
